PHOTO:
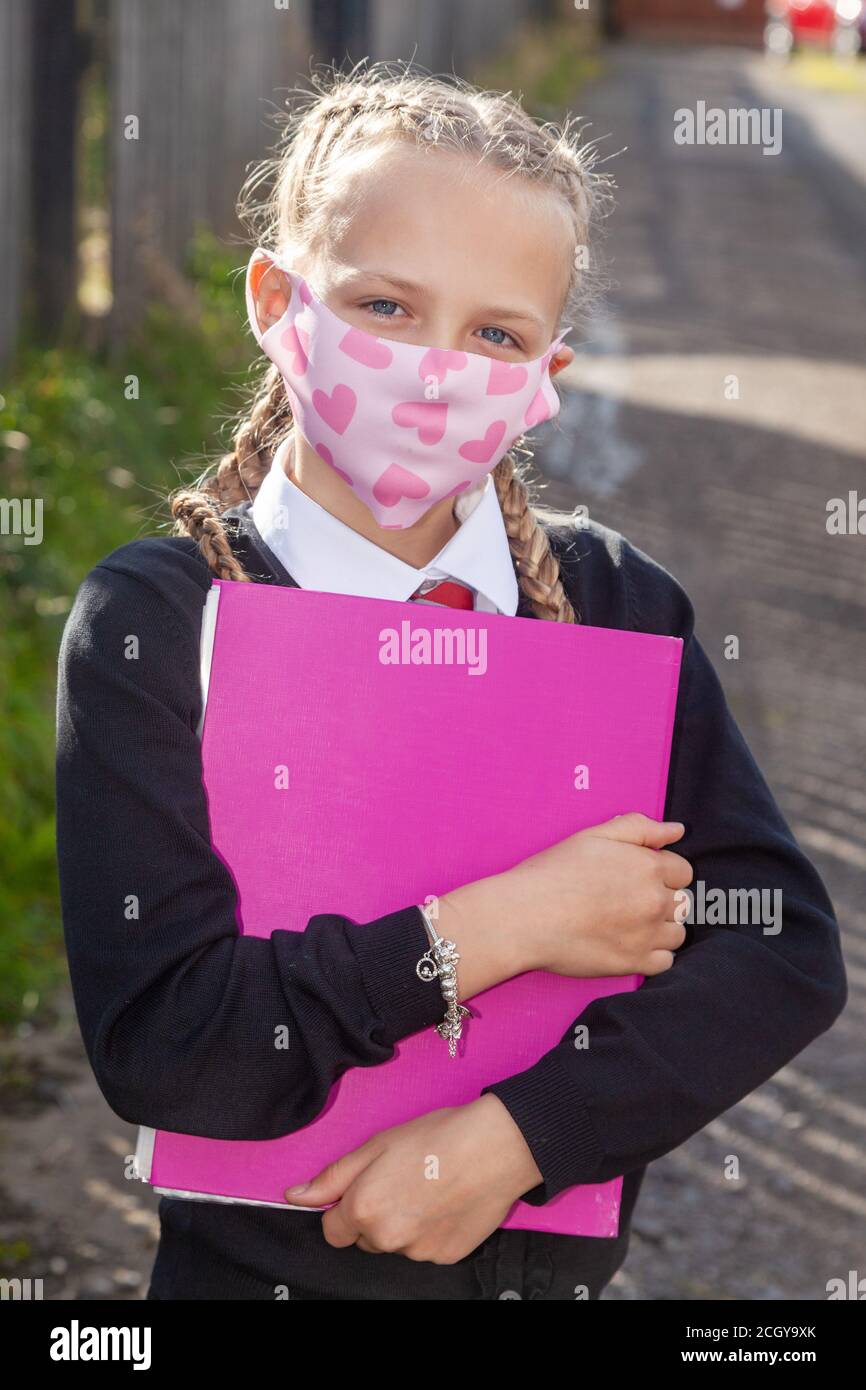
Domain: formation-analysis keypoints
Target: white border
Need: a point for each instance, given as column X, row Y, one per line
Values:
column 231, row 1201
column 142, row 1163
column 208, row 632
column 143, row 1159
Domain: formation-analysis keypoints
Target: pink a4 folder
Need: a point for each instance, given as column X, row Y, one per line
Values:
column 360, row 755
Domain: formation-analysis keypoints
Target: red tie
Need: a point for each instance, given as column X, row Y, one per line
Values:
column 447, row 594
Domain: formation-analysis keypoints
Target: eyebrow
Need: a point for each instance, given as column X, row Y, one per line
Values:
column 411, row 287
column 497, row 312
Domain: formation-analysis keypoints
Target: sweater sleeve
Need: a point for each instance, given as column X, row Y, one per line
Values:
column 740, row 1000
column 179, row 1012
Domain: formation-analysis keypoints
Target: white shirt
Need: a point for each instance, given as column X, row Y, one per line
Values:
column 321, row 552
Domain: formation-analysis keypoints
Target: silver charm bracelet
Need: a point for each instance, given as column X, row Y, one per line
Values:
column 440, row 962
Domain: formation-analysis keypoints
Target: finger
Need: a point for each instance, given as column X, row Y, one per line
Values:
column 364, row 1244
column 676, row 871
column 658, row 962
column 339, row 1227
column 637, row 829
column 671, row 936
column 330, row 1184
column 683, row 904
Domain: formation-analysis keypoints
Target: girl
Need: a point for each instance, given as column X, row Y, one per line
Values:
column 411, row 213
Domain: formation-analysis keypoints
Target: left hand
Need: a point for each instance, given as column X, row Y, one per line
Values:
column 432, row 1189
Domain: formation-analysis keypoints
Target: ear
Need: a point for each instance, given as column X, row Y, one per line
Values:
column 271, row 291
column 563, row 357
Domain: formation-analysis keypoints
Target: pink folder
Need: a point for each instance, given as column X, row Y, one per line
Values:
column 421, row 748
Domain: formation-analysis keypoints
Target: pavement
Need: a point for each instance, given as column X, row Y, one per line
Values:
column 725, row 264
column 718, row 404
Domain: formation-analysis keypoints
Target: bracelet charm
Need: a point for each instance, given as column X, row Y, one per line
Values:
column 440, row 962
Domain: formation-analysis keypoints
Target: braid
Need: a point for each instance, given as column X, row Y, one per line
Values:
column 195, row 515
column 238, row 475
column 537, row 566
column 240, row 472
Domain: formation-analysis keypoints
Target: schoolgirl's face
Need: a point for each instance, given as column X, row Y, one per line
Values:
column 431, row 248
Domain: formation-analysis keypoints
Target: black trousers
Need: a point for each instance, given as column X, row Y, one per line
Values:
column 212, row 1251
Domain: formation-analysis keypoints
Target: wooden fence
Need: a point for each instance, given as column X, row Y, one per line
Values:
column 14, row 148
column 190, row 83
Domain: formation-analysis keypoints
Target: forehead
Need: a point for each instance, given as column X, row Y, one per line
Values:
column 441, row 217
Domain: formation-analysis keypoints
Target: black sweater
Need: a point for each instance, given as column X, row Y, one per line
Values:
column 177, row 1009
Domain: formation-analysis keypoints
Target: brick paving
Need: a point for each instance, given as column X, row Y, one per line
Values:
column 726, row 261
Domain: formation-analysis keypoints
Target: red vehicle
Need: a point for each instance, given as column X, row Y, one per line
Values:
column 838, row 26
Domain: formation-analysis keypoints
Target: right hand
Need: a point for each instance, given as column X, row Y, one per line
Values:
column 600, row 903
column 603, row 901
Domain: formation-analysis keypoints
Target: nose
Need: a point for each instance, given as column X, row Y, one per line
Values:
column 444, row 329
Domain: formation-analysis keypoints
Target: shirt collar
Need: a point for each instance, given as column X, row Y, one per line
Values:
column 321, row 552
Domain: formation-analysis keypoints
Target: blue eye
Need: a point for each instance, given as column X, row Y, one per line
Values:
column 384, row 307
column 500, row 336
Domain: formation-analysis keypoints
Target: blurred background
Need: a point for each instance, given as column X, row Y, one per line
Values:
column 716, row 408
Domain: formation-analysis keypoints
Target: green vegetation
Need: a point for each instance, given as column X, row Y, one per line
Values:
column 826, row 73
column 548, row 64
column 102, row 465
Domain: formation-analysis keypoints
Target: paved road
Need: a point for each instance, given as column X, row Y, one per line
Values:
column 728, row 262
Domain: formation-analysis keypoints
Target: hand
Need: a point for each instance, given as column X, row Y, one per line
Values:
column 601, row 902
column 432, row 1189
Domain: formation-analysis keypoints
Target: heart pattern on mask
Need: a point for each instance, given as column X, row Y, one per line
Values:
column 482, row 450
column 364, row 348
column 396, row 483
column 439, row 362
column 324, row 453
column 429, row 418
column 506, row 378
column 537, row 410
column 337, row 409
column 296, row 342
column 405, row 425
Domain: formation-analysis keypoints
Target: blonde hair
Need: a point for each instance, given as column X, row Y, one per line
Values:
column 345, row 112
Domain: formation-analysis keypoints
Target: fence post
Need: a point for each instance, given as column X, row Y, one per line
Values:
column 340, row 29
column 15, row 37
column 198, row 77
column 57, row 55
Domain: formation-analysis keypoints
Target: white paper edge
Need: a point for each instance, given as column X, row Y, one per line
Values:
column 142, row 1163
column 208, row 631
column 231, row 1201
column 143, row 1157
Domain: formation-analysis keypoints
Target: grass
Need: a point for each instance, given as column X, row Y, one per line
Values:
column 548, row 64
column 101, row 464
column 825, row 73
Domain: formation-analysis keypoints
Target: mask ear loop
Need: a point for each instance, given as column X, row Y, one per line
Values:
column 556, row 345
column 271, row 260
column 256, row 258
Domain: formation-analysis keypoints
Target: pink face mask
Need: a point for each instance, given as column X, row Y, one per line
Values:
column 403, row 425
